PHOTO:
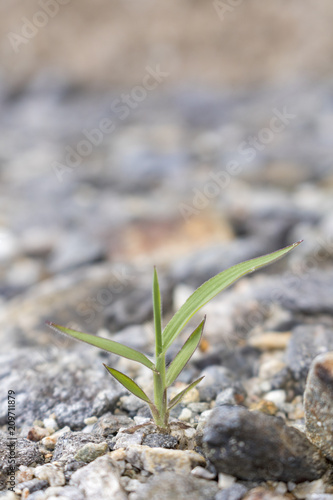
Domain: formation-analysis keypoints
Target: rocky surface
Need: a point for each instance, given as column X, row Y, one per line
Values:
column 80, row 249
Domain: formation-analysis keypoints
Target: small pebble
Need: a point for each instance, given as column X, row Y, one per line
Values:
column 225, row 480
column 37, row 433
column 203, row 473
column 52, row 473
column 270, row 340
column 277, row 397
column 185, row 415
column 24, row 474
column 267, row 407
column 50, row 441
column 51, row 423
column 90, row 451
column 303, row 490
column 90, row 420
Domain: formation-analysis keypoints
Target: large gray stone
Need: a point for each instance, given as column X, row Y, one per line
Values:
column 255, row 446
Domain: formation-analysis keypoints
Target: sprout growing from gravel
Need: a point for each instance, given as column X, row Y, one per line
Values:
column 163, row 376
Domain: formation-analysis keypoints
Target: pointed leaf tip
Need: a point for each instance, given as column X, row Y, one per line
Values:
column 212, row 287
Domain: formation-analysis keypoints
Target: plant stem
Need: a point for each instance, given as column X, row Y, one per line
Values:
column 160, row 393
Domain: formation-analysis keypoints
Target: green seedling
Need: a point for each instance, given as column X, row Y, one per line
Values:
column 163, row 376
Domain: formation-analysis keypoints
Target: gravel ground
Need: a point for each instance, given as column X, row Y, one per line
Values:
column 193, row 182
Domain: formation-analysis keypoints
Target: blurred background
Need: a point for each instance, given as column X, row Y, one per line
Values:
column 191, row 135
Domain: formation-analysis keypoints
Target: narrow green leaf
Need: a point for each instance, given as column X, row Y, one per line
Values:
column 129, row 384
column 106, row 345
column 211, row 288
column 177, row 399
column 184, row 354
column 157, row 314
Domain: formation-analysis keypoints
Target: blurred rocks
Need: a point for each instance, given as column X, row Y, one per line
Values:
column 307, row 341
column 78, row 248
column 318, row 404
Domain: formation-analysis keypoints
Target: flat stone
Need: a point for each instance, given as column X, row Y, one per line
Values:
column 254, row 446
column 52, row 473
column 91, row 451
column 157, row 460
column 70, row 443
column 171, row 485
column 110, row 424
column 99, row 479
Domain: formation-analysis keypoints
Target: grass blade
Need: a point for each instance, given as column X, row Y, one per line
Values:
column 184, row 354
column 211, row 288
column 157, row 314
column 177, row 399
column 129, row 384
column 106, row 345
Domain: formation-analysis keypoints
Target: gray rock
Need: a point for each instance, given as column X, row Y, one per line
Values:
column 234, row 492
column 125, row 440
column 215, row 259
column 255, row 446
column 52, row 473
column 307, row 294
column 32, row 485
column 73, row 414
column 70, row 443
column 53, row 381
column 318, row 404
column 242, row 362
column 99, row 479
column 307, row 341
column 217, row 378
column 136, row 307
column 160, row 441
column 90, row 451
column 73, row 251
column 110, row 424
column 106, row 400
column 26, row 453
column 168, row 486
